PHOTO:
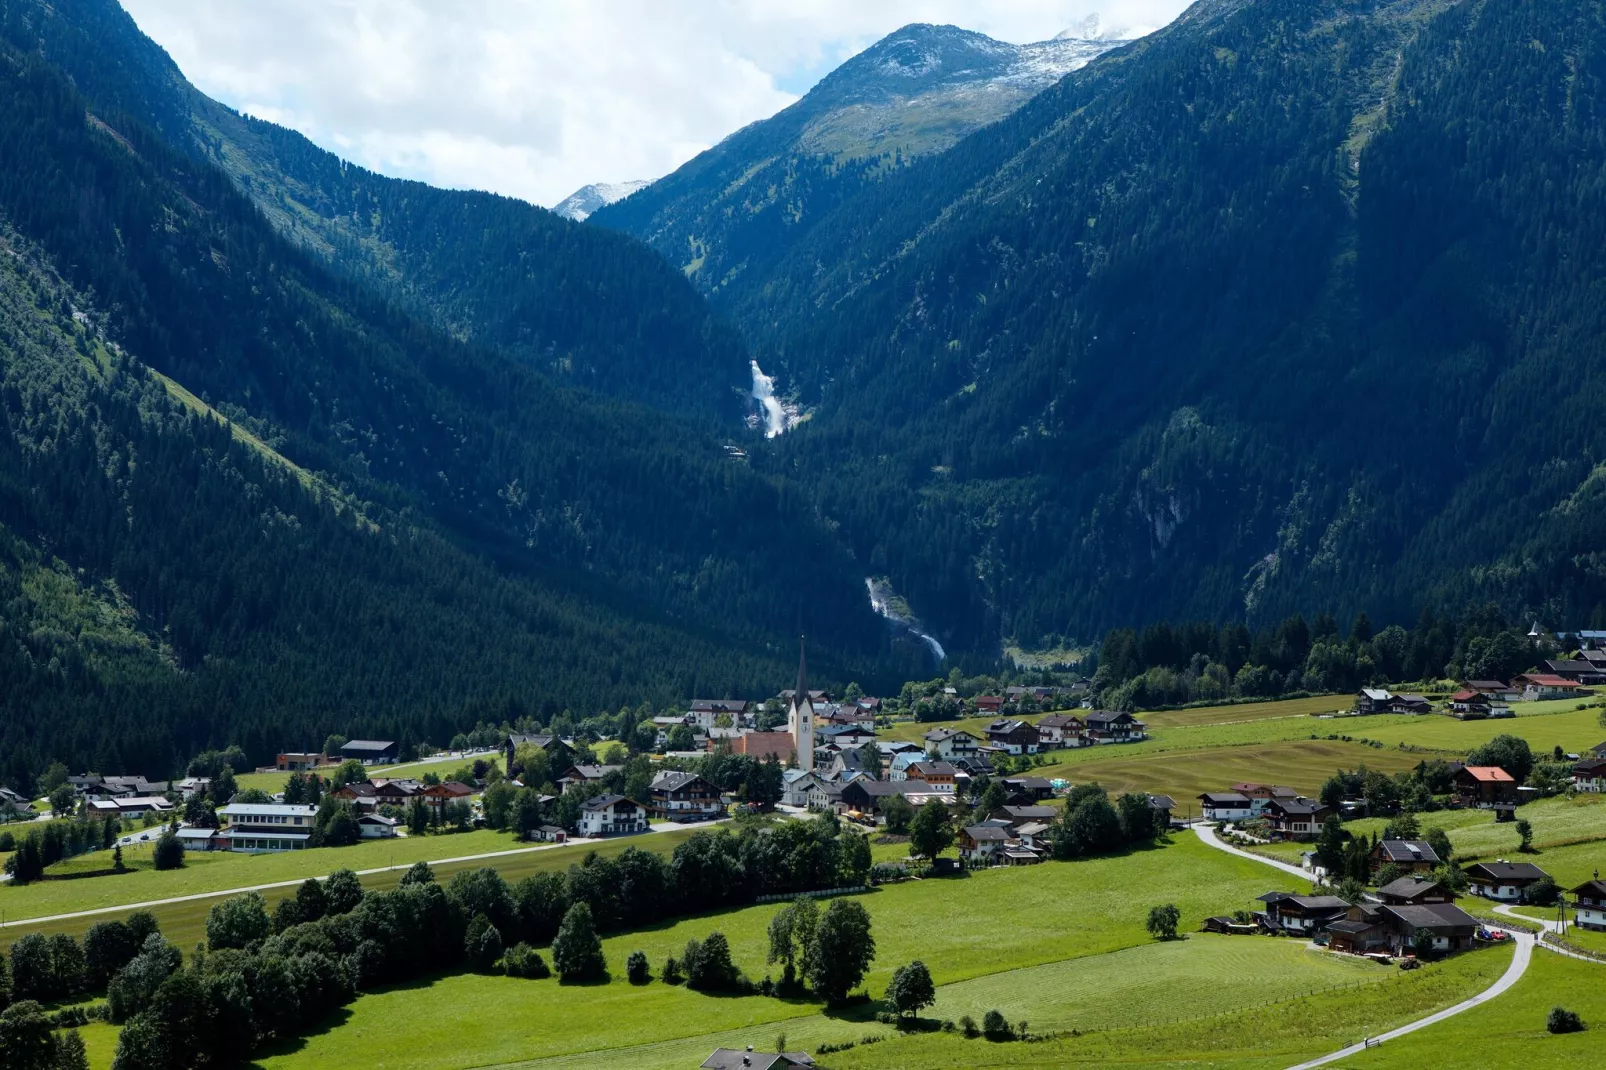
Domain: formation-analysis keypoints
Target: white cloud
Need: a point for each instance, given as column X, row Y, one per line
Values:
column 535, row 98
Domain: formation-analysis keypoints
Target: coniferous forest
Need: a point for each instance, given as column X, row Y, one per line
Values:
column 1291, row 307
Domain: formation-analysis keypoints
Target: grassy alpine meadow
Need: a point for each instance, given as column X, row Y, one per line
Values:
column 1234, row 713
column 185, row 922
column 1510, row 1029
column 1284, row 1026
column 274, row 781
column 1476, row 835
column 964, row 928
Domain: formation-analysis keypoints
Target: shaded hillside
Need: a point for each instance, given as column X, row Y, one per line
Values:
column 1290, row 305
column 583, row 305
column 728, row 215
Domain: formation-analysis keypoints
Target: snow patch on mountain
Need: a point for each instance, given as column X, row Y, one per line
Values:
column 587, row 199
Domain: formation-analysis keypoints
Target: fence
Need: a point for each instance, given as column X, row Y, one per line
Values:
column 1570, row 948
column 824, row 893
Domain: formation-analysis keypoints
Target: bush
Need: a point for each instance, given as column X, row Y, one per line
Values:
column 995, row 1027
column 482, row 944
column 636, row 968
column 672, row 974
column 708, row 964
column 885, row 872
column 522, row 960
column 1562, row 1020
column 577, row 950
column 967, row 1025
column 169, row 852
column 1543, row 892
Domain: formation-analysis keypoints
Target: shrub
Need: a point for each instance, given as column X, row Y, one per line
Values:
column 169, row 852
column 708, row 965
column 1562, row 1020
column 995, row 1026
column 672, row 974
column 522, row 960
column 636, row 968
column 482, row 944
column 1543, row 892
column 967, row 1025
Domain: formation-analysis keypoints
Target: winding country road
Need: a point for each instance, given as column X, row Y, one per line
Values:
column 1519, row 965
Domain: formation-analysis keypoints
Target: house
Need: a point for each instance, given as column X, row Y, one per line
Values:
column 981, row 843
column 1485, row 786
column 1414, row 891
column 766, row 745
column 796, row 785
column 1296, row 818
column 560, row 751
column 1033, row 788
column 1581, row 671
column 1411, row 856
column 837, row 762
column 1470, row 705
column 937, row 774
column 890, row 749
column 443, row 795
column 902, row 763
column 585, row 774
column 1590, row 775
column 1225, row 806
column 376, row 827
column 1589, row 904
column 1541, row 686
column 361, row 794
column 397, row 792
column 1504, row 881
column 748, row 1059
column 1450, row 927
column 705, row 712
column 256, row 827
column 1019, row 856
column 951, row 744
column 611, row 815
column 825, row 796
column 1060, row 730
column 371, row 751
column 1016, row 737
column 115, row 787
column 1495, row 691
column 550, row 834
column 299, row 761
column 989, row 703
column 1017, row 816
column 133, row 806
column 1106, row 726
column 191, row 786
column 1373, row 700
column 1302, row 914
column 1362, row 930
column 1036, row 835
column 198, row 839
column 1415, row 704
column 1163, row 806
column 845, row 735
column 685, row 797
column 868, row 796
column 1261, row 795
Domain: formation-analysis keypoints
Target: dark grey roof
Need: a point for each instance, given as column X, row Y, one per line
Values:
column 1320, row 902
column 368, row 744
column 1348, row 926
column 1105, row 717
column 1034, row 813
column 1509, row 871
column 1408, row 851
column 672, row 780
column 1225, row 798
column 602, row 802
column 1407, row 887
column 987, row 832
column 1434, row 916
column 737, row 1059
column 1162, row 802
column 1035, row 783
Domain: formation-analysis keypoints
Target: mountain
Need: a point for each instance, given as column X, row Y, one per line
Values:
column 248, row 496
column 581, row 305
column 1291, row 305
column 587, row 199
column 728, row 214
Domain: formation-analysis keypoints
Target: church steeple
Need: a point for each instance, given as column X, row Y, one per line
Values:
column 800, row 719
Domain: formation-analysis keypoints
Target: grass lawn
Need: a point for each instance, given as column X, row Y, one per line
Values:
column 1476, row 835
column 1286, row 1028
column 1509, row 1030
column 1246, row 711
column 273, row 782
column 965, row 928
column 1301, row 764
column 185, row 922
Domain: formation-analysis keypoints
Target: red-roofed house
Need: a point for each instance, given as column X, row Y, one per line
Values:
column 761, row 745
column 1538, row 686
column 1485, row 786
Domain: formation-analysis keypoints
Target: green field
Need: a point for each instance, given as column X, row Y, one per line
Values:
column 185, row 922
column 1246, row 711
column 1476, row 835
column 1510, row 1029
column 273, row 781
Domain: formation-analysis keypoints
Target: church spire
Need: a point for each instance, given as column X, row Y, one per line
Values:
column 802, row 673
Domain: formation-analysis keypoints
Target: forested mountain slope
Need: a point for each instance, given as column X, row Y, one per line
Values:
column 422, row 533
column 1293, row 304
column 585, row 306
column 726, row 216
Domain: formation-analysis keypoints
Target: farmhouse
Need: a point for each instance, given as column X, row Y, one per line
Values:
column 1162, row 805
column 980, row 843
column 706, row 711
column 1412, row 856
column 115, row 787
column 198, row 839
column 685, row 797
column 1414, row 704
column 796, row 785
column 1296, row 818
column 1373, row 700
column 1450, row 928
column 1032, row 788
column 1502, row 880
column 1105, row 726
column 868, row 796
column 1305, row 914
column 585, row 774
column 133, row 806
column 611, row 815
column 376, row 827
column 1362, row 930
column 1016, row 737
column 1414, row 891
column 441, row 795
column 1060, row 730
column 257, row 827
column 1589, row 904
column 371, row 751
column 1540, row 686
column 298, row 761
column 1485, row 787
column 1016, row 816
column 938, row 774
column 1225, row 806
column 951, row 744
column 1495, row 691
column 1590, row 775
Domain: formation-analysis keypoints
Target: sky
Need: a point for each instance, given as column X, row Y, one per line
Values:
column 536, row 98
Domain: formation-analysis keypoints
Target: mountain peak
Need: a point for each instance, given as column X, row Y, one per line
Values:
column 587, row 199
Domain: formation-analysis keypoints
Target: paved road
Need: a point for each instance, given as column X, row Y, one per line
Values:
column 1505, row 908
column 1208, row 835
column 1519, row 965
column 578, row 840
